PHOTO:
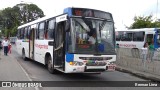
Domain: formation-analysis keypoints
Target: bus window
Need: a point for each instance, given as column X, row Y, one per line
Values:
column 46, row 30
column 138, row 36
column 51, row 27
column 149, row 38
column 126, row 36
column 25, row 32
column 117, row 36
column 29, row 28
column 41, row 31
column 18, row 33
column 22, row 34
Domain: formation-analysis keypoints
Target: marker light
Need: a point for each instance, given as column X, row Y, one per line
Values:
column 75, row 63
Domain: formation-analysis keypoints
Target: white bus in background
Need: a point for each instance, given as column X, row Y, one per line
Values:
column 54, row 41
column 135, row 38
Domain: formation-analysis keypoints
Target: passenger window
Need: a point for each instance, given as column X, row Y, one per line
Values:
column 25, row 32
column 138, row 36
column 41, row 30
column 22, row 34
column 51, row 28
column 29, row 28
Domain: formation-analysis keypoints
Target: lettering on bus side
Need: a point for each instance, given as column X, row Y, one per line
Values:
column 61, row 18
column 128, row 45
column 41, row 46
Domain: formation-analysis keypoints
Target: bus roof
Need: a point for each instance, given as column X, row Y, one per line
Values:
column 72, row 11
column 141, row 29
column 35, row 21
column 87, row 12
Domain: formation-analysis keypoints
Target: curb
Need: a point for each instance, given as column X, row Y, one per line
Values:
column 141, row 75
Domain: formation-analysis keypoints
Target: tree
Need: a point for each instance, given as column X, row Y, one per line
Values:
column 20, row 14
column 6, row 20
column 28, row 12
column 144, row 22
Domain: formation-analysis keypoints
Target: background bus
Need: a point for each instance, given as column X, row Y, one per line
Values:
column 61, row 42
column 135, row 39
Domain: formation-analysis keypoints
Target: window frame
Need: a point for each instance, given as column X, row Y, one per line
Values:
column 39, row 36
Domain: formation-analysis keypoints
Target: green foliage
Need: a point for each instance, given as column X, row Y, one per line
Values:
column 28, row 12
column 11, row 18
column 144, row 22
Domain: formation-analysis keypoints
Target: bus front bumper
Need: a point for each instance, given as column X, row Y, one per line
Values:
column 91, row 69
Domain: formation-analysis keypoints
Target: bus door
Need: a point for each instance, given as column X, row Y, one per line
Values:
column 59, row 49
column 149, row 38
column 31, row 44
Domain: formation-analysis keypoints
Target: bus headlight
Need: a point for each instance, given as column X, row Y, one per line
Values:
column 76, row 63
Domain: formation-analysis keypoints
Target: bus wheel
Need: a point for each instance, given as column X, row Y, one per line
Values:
column 23, row 55
column 50, row 66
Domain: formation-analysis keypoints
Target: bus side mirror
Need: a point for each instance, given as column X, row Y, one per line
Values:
column 67, row 26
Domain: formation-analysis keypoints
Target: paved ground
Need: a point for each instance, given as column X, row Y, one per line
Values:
column 11, row 70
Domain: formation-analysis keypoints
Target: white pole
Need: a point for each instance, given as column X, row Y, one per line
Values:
column 156, row 10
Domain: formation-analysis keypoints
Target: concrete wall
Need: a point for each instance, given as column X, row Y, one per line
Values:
column 129, row 58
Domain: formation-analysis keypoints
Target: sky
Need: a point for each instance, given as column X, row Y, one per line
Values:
column 123, row 11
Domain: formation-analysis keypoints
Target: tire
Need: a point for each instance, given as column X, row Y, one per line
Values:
column 50, row 66
column 23, row 55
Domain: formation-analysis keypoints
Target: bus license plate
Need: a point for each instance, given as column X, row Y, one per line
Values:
column 111, row 67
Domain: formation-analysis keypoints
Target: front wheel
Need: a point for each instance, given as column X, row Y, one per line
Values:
column 50, row 65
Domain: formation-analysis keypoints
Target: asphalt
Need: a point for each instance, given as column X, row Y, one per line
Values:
column 141, row 74
column 11, row 70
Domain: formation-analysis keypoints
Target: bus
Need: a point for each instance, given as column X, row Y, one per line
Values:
column 61, row 42
column 136, row 38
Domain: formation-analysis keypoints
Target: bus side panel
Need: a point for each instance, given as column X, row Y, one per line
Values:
column 40, row 49
column 25, row 44
column 19, row 46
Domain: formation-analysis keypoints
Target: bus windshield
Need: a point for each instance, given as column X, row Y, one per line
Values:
column 91, row 36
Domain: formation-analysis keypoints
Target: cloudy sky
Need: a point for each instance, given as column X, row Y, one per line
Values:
column 123, row 10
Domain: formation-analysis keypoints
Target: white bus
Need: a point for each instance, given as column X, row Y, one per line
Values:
column 61, row 42
column 135, row 38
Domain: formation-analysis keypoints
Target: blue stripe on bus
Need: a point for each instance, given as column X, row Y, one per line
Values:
column 69, row 57
column 68, row 11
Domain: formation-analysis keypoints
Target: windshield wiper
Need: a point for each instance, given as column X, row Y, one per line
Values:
column 102, row 25
column 83, row 25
